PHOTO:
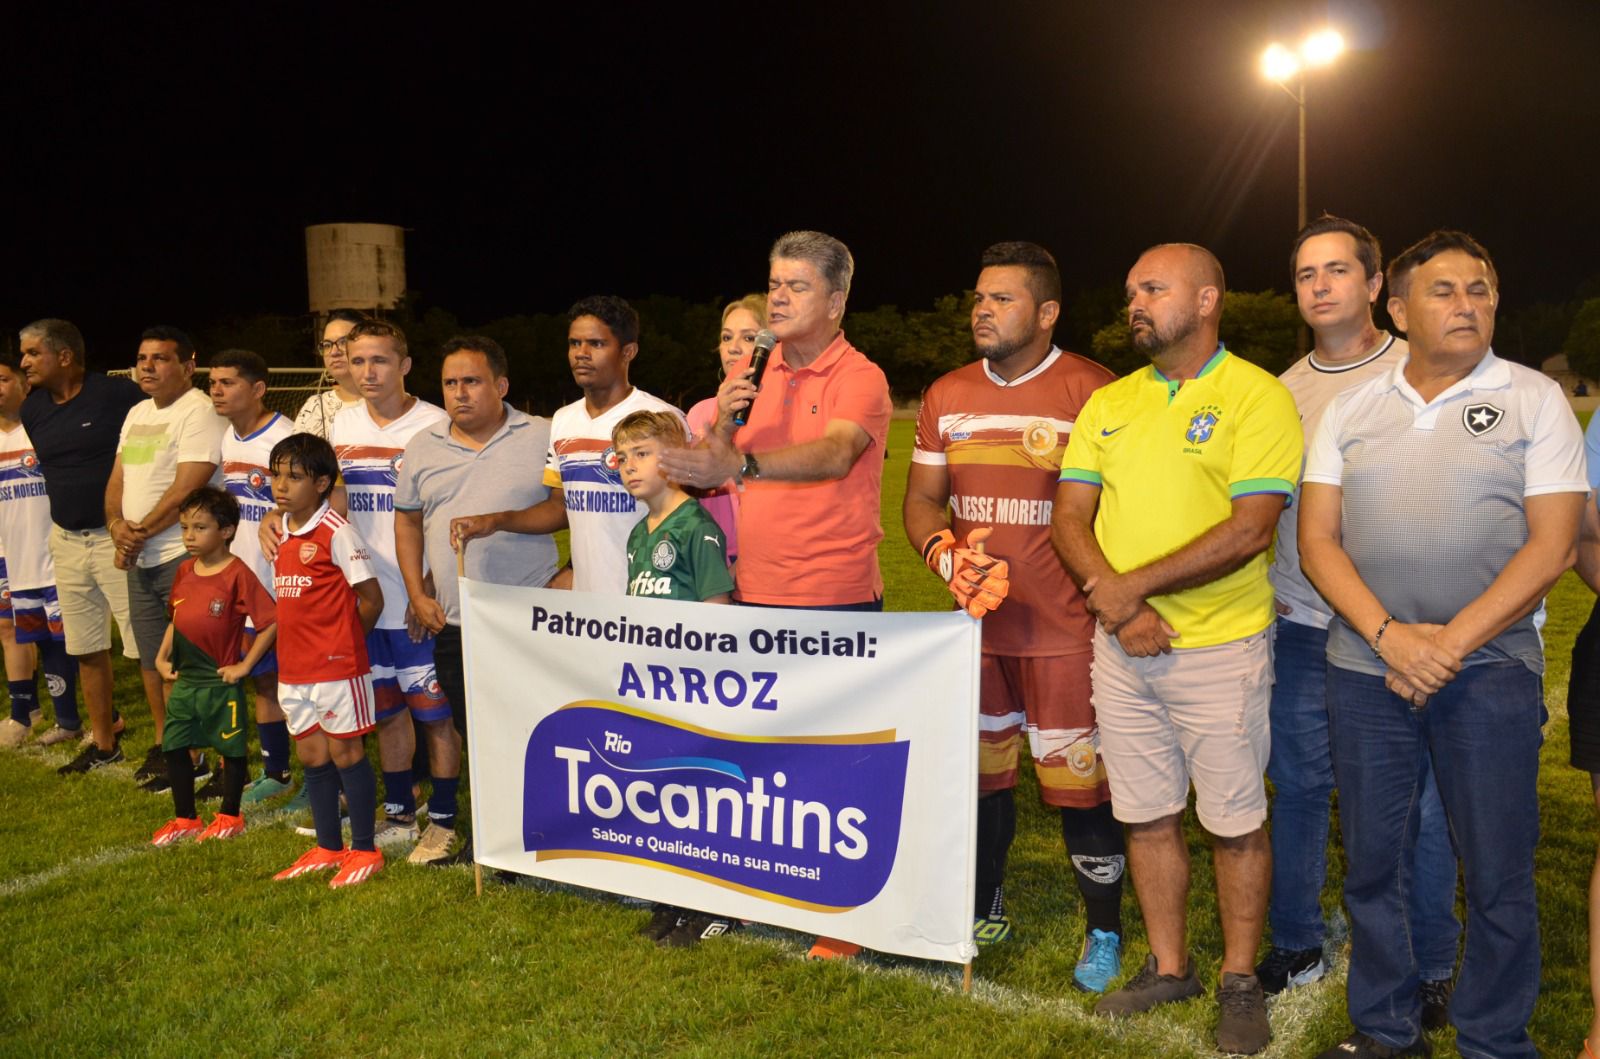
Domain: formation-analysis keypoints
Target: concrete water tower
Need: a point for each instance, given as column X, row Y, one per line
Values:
column 355, row 266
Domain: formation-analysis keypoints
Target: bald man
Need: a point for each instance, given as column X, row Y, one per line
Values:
column 1170, row 489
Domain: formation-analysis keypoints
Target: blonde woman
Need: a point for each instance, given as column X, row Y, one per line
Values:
column 741, row 320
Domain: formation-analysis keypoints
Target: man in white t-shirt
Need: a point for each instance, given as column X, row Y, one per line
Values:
column 1338, row 273
column 170, row 446
column 586, row 491
column 238, row 383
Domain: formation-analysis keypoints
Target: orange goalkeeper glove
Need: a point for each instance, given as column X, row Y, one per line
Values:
column 978, row 582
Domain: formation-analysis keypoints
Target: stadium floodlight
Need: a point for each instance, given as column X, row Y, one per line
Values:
column 1322, row 47
column 1279, row 63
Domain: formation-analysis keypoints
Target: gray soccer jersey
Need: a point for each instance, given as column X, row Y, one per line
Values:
column 1433, row 493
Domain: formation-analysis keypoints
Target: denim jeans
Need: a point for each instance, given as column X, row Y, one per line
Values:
column 1483, row 734
column 1301, row 771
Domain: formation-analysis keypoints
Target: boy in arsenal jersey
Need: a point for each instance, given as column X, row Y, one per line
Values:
column 328, row 599
column 212, row 595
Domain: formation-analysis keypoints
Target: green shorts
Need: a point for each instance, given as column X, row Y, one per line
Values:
column 206, row 715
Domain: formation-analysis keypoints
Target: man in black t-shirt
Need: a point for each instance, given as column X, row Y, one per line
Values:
column 73, row 418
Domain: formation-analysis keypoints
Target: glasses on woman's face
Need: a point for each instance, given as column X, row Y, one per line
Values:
column 327, row 345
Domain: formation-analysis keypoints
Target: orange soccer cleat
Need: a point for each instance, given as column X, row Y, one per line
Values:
column 359, row 866
column 223, row 826
column 314, row 859
column 176, row 830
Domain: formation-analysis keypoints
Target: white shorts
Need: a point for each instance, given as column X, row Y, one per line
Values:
column 340, row 708
column 1198, row 714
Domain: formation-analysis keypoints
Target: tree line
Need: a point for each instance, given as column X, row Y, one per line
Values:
column 678, row 337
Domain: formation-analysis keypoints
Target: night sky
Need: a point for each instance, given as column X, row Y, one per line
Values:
column 163, row 163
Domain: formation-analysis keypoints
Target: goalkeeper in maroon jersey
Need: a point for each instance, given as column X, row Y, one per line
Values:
column 983, row 477
column 213, row 593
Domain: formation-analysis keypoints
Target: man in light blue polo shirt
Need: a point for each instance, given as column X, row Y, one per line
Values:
column 1440, row 502
column 487, row 458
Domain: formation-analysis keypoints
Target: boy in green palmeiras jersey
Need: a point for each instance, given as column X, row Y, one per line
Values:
column 212, row 594
column 675, row 552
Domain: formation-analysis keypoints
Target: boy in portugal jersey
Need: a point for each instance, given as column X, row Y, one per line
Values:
column 238, row 384
column 328, row 599
column 212, row 595
column 676, row 551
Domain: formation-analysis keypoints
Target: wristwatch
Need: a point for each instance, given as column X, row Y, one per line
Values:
column 750, row 468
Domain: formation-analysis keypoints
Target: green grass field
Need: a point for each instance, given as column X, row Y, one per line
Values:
column 120, row 949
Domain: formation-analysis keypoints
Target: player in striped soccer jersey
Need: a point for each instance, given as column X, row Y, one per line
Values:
column 28, row 607
column 238, row 388
column 329, row 599
column 989, row 442
column 202, row 657
column 370, row 440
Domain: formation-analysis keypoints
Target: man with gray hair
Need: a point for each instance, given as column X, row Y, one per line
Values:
column 74, row 418
column 821, row 419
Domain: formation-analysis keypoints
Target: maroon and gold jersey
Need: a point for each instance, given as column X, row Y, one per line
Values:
column 208, row 613
column 1002, row 445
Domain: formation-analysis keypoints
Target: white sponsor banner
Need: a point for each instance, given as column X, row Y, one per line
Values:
column 815, row 770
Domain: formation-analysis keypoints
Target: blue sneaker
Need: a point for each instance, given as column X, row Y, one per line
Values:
column 262, row 789
column 1100, row 963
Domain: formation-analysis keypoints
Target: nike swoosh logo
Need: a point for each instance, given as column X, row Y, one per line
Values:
column 1107, row 433
column 230, row 735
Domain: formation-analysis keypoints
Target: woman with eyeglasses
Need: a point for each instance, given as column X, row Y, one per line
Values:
column 316, row 415
column 740, row 322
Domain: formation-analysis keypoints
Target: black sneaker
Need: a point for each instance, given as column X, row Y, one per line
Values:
column 213, row 788
column 154, row 764
column 157, row 784
column 1149, row 989
column 1360, row 1046
column 662, row 922
column 694, row 928
column 89, row 759
column 1287, row 968
column 1436, row 1003
column 1242, row 1027
column 202, row 769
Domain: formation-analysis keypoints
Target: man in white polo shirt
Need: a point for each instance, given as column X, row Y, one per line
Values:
column 1440, row 503
column 1337, row 266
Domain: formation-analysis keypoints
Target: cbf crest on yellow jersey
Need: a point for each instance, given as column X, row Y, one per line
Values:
column 1169, row 458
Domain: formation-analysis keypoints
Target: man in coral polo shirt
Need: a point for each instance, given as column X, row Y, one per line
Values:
column 810, row 457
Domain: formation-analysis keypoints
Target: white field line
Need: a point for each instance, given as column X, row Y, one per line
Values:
column 1156, row 1033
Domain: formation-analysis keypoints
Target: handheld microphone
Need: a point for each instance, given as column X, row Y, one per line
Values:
column 765, row 340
